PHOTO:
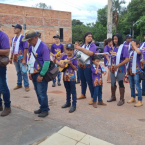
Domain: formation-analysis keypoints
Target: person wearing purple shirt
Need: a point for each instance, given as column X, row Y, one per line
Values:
column 108, row 48
column 19, row 51
column 118, row 61
column 134, row 69
column 69, row 77
column 4, row 50
column 36, row 72
column 128, row 41
column 56, row 48
column 90, row 49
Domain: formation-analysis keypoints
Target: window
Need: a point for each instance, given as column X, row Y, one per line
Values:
column 61, row 34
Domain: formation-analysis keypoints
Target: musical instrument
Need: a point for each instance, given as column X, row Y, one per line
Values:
column 58, row 53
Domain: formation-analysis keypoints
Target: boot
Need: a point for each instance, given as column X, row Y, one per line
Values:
column 1, row 108
column 138, row 104
column 59, row 84
column 113, row 96
column 122, row 101
column 66, row 105
column 91, row 101
column 6, row 112
column 72, row 109
column 27, row 89
column 43, row 114
column 132, row 100
column 17, row 87
column 54, row 84
column 101, row 103
column 37, row 111
column 95, row 104
column 82, row 97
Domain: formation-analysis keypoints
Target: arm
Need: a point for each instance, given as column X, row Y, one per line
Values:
column 88, row 52
column 45, row 68
column 52, row 54
column 97, row 70
column 135, row 48
column 73, row 66
column 4, row 51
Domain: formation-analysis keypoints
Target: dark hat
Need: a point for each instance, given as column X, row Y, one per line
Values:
column 38, row 34
column 17, row 26
column 29, row 35
column 128, row 36
column 70, row 46
column 56, row 36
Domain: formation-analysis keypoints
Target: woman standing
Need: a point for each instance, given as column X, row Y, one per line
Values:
column 90, row 49
column 119, row 57
column 108, row 47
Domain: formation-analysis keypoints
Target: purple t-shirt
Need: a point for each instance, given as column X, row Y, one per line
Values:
column 124, row 54
column 56, row 48
column 126, row 44
column 4, row 41
column 69, row 73
column 97, row 78
column 42, row 55
column 109, row 50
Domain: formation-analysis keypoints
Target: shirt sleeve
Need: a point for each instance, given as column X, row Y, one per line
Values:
column 25, row 44
column 93, row 48
column 51, row 50
column 5, row 42
column 105, row 49
column 75, row 63
column 62, row 58
column 45, row 53
column 125, row 52
column 62, row 49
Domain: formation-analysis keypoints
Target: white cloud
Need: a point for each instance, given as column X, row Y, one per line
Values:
column 84, row 10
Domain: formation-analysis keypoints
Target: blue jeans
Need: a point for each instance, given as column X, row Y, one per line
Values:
column 41, row 92
column 97, row 93
column 78, row 76
column 86, row 78
column 71, row 89
column 4, row 87
column 21, row 75
column 58, row 76
column 134, row 81
column 143, row 82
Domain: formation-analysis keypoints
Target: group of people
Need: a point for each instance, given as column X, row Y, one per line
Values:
column 119, row 57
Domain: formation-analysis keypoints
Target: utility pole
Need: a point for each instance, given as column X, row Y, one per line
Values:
column 109, row 19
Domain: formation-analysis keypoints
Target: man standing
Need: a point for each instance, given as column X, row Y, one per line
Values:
column 19, row 51
column 39, row 50
column 4, row 50
column 57, row 50
column 128, row 40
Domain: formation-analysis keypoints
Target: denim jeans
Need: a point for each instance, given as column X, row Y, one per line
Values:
column 134, row 81
column 143, row 82
column 21, row 75
column 78, row 76
column 58, row 76
column 70, row 87
column 97, row 93
column 4, row 87
column 41, row 92
column 86, row 78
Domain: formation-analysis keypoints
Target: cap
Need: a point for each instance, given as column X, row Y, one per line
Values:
column 56, row 36
column 29, row 35
column 17, row 26
column 70, row 46
column 128, row 36
column 38, row 34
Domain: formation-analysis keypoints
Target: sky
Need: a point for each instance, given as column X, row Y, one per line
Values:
column 84, row 10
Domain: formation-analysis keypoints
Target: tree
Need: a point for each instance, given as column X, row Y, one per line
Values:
column 43, row 6
column 76, row 22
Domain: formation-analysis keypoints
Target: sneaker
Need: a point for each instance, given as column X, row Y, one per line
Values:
column 27, row 89
column 82, row 97
column 138, row 104
column 53, row 85
column 101, row 103
column 1, row 108
column 132, row 100
column 6, row 112
column 43, row 114
column 59, row 84
column 72, row 109
column 66, row 105
column 37, row 111
column 17, row 87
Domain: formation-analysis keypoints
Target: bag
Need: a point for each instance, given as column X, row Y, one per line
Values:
column 142, row 76
column 52, row 71
column 4, row 60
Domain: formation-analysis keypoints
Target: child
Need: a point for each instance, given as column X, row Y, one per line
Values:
column 97, row 81
column 69, row 73
column 134, row 69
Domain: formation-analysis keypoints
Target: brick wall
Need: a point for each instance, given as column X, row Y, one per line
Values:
column 45, row 21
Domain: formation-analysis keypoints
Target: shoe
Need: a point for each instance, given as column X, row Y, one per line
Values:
column 72, row 109
column 17, row 87
column 27, row 89
column 101, row 103
column 113, row 96
column 1, row 108
column 82, row 97
column 59, row 84
column 53, row 85
column 122, row 101
column 78, row 82
column 6, row 112
column 37, row 111
column 138, row 104
column 91, row 101
column 95, row 104
column 66, row 105
column 43, row 114
column 132, row 100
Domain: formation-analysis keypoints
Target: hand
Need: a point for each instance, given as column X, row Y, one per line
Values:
column 69, row 62
column 96, row 53
column 133, row 44
column 62, row 66
column 23, row 62
column 11, row 61
column 39, row 79
column 30, row 77
column 104, row 73
column 116, row 67
column 78, row 47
